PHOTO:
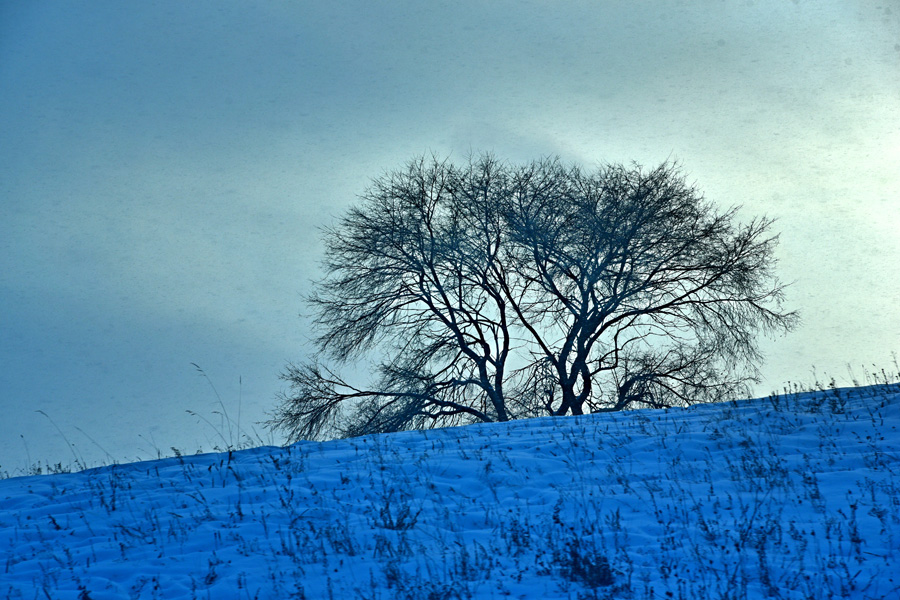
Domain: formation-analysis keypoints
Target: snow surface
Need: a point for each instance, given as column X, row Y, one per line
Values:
column 784, row 497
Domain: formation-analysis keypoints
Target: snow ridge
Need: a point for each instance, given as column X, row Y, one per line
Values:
column 794, row 496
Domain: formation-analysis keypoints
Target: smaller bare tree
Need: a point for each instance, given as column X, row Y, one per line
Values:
column 408, row 271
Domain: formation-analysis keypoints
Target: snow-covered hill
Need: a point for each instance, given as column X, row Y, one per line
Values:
column 790, row 497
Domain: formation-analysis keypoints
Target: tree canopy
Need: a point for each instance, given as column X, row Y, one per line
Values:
column 490, row 292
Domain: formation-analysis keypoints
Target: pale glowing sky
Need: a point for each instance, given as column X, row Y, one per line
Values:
column 164, row 167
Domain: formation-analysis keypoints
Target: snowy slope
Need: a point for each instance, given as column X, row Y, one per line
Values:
column 791, row 497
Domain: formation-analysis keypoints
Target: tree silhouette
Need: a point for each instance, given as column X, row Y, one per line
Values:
column 494, row 292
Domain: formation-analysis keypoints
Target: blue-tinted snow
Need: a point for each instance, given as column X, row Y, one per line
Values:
column 794, row 497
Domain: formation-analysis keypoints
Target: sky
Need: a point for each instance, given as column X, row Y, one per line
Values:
column 166, row 168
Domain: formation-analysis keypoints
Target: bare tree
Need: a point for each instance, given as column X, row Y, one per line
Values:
column 496, row 292
column 639, row 283
column 407, row 271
